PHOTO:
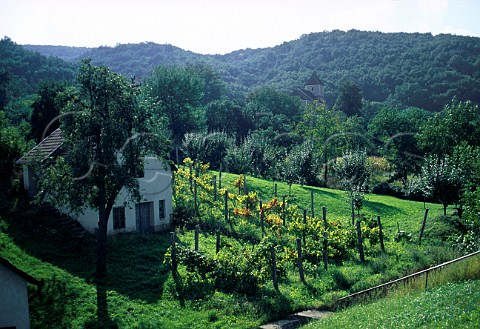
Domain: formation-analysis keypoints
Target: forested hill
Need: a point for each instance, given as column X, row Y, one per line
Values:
column 409, row 69
column 23, row 71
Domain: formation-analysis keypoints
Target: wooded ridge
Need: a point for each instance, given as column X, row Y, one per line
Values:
column 407, row 69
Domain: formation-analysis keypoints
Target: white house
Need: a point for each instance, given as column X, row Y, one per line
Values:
column 152, row 213
column 14, row 311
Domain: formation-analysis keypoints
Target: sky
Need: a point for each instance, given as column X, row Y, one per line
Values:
column 222, row 26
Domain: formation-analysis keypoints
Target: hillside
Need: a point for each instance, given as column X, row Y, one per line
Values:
column 69, row 54
column 22, row 71
column 142, row 291
column 407, row 69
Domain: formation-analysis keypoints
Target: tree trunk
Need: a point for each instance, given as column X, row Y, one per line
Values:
column 104, row 209
column 102, row 243
column 445, row 209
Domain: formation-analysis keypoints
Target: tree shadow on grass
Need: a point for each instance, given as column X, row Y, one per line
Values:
column 134, row 261
column 382, row 208
column 103, row 319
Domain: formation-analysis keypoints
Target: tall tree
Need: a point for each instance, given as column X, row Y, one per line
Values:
column 321, row 126
column 350, row 99
column 213, row 86
column 45, row 110
column 397, row 130
column 105, row 132
column 179, row 93
column 442, row 179
column 458, row 122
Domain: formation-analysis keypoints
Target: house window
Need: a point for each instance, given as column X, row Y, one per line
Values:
column 161, row 209
column 118, row 218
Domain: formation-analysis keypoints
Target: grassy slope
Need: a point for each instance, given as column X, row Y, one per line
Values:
column 454, row 305
column 140, row 290
column 408, row 214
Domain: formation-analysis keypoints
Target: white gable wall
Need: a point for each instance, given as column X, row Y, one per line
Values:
column 154, row 186
column 13, row 300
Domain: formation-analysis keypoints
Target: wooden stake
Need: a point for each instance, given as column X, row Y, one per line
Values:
column 218, row 241
column 173, row 239
column 353, row 212
column 382, row 245
column 226, row 206
column 197, row 230
column 275, row 190
column 423, row 226
column 325, row 238
column 274, row 268
column 300, row 260
column 220, row 177
column 214, row 183
column 305, row 225
column 312, row 204
column 360, row 242
column 262, row 224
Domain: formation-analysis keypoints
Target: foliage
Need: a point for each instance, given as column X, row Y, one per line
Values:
column 22, row 71
column 255, row 155
column 209, row 148
column 300, row 165
column 12, row 145
column 45, row 111
column 322, row 127
column 407, row 69
column 229, row 117
column 442, row 179
column 397, row 131
column 353, row 170
column 350, row 99
column 106, row 131
column 178, row 92
column 458, row 122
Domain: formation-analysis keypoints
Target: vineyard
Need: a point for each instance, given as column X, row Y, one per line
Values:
column 243, row 236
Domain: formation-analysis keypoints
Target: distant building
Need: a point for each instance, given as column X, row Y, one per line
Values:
column 14, row 297
column 313, row 91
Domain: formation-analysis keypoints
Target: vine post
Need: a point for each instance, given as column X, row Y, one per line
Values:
column 173, row 239
column 360, row 242
column 262, row 219
column 214, row 183
column 325, row 238
column 300, row 260
column 220, row 177
column 423, row 226
column 197, row 230
column 226, row 206
column 274, row 268
column 305, row 225
column 379, row 223
column 312, row 203
column 353, row 212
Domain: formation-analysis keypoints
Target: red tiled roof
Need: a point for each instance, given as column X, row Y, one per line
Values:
column 44, row 149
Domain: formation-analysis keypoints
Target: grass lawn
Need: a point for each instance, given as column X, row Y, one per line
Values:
column 141, row 292
column 453, row 305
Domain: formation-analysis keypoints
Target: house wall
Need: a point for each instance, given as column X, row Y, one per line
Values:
column 317, row 90
column 13, row 300
column 154, row 186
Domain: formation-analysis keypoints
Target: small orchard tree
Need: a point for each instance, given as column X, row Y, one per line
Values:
column 353, row 170
column 106, row 132
column 442, row 180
